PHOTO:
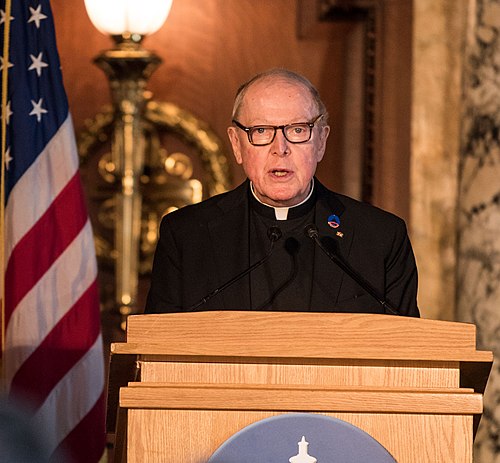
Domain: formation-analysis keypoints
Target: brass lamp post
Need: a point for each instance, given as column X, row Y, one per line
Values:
column 128, row 67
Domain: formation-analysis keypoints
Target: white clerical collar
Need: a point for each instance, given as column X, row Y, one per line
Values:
column 281, row 213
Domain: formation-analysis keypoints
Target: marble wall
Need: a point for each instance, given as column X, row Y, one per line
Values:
column 438, row 38
column 478, row 279
column 455, row 177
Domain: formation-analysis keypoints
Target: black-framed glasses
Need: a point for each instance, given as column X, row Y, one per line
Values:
column 261, row 135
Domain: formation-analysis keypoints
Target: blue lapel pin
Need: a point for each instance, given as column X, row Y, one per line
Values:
column 334, row 221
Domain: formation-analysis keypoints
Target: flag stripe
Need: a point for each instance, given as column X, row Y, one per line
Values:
column 61, row 419
column 48, row 238
column 58, row 290
column 82, row 450
column 46, row 177
column 62, row 348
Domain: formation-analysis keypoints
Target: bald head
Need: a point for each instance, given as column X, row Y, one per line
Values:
column 284, row 75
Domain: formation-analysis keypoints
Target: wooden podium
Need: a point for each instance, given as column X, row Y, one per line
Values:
column 184, row 383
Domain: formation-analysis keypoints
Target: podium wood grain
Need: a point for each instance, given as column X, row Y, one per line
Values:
column 191, row 437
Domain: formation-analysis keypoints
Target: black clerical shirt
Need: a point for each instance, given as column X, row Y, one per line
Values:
column 285, row 281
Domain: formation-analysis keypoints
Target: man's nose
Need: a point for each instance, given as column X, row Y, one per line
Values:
column 280, row 145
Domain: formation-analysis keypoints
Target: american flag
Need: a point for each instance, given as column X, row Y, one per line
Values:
column 53, row 355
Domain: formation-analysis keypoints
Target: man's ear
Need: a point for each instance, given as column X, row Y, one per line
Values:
column 235, row 143
column 323, row 137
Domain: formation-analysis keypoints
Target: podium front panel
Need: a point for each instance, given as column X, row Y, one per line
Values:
column 188, row 436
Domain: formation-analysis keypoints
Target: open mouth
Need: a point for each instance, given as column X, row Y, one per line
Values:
column 280, row 173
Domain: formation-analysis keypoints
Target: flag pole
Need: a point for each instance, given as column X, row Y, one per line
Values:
column 5, row 54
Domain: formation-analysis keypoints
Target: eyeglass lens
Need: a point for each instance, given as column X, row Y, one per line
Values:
column 294, row 133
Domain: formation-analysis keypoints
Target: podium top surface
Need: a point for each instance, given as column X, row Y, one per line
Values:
column 300, row 334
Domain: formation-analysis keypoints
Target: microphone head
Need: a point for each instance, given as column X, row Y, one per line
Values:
column 311, row 231
column 274, row 234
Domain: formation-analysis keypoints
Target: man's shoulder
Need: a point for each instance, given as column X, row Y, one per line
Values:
column 206, row 209
column 357, row 209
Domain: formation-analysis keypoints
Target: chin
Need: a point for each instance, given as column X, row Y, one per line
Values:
column 286, row 196
column 281, row 197
column 284, row 201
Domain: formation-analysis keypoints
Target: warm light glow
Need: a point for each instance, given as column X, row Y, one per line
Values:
column 115, row 17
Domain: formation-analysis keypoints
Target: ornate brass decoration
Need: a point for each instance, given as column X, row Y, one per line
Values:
column 184, row 162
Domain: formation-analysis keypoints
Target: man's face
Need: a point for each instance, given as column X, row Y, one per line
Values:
column 281, row 172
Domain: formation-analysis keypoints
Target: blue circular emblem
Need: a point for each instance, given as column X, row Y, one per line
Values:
column 334, row 221
column 301, row 438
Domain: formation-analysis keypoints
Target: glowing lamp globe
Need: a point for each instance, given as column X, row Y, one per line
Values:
column 128, row 17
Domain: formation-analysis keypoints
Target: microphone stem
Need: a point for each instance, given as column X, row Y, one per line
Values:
column 356, row 277
column 202, row 301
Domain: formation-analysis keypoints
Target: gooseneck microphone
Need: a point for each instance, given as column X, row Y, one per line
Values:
column 274, row 234
column 311, row 231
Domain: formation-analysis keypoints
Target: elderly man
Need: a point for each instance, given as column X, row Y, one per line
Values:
column 281, row 240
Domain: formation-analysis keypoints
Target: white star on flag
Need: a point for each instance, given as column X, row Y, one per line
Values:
column 38, row 110
column 36, row 16
column 9, row 65
column 8, row 112
column 37, row 64
column 2, row 17
column 7, row 158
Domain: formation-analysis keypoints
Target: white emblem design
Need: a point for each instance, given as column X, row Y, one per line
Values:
column 303, row 456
